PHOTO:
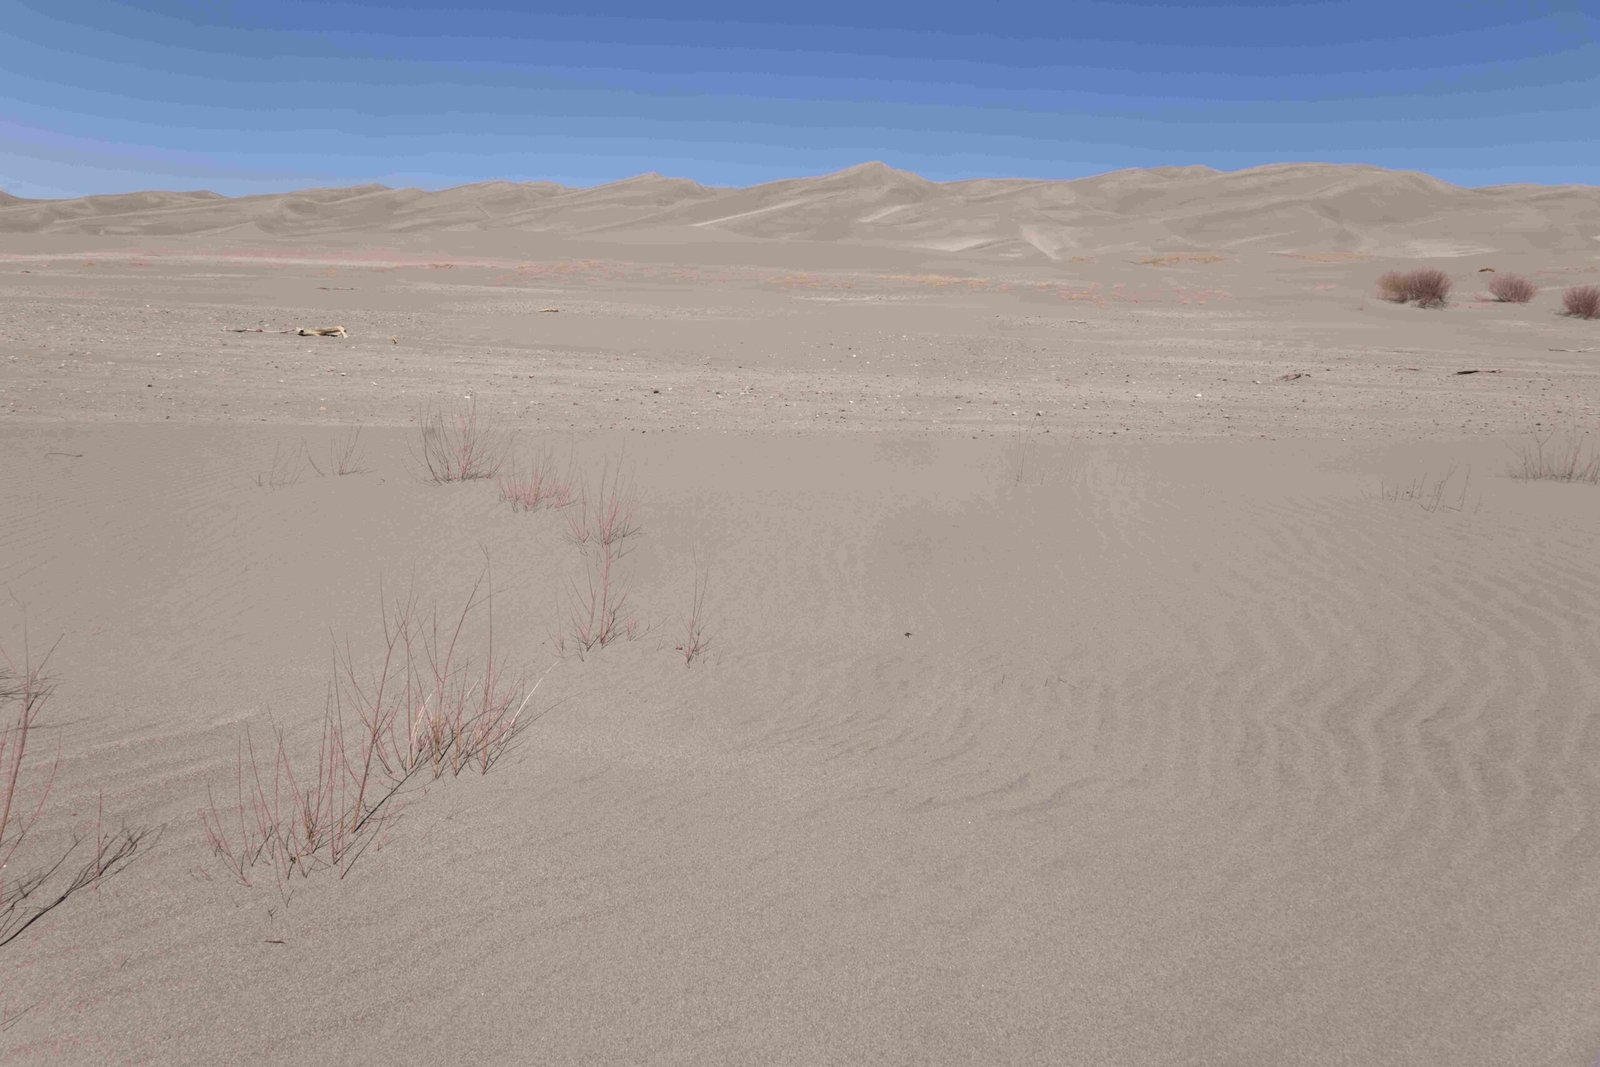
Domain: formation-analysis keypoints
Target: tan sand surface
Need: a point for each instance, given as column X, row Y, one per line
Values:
column 1082, row 687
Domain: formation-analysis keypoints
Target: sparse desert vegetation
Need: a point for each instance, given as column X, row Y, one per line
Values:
column 543, row 484
column 458, row 446
column 1426, row 288
column 1512, row 289
column 1549, row 457
column 695, row 643
column 1444, row 493
column 288, row 467
column 36, row 881
column 344, row 455
column 1582, row 302
column 1394, row 287
column 426, row 706
column 598, row 607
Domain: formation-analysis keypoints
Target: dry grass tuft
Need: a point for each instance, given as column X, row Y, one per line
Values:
column 1582, row 301
column 541, row 486
column 343, row 455
column 287, row 468
column 1573, row 458
column 598, row 610
column 695, row 643
column 1512, row 289
column 1428, row 493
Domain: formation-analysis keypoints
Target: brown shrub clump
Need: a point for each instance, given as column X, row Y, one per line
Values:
column 1512, row 289
column 1428, row 288
column 1582, row 301
column 1392, row 286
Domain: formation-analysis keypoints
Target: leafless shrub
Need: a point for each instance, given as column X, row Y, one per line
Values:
column 1393, row 286
column 1427, row 288
column 1582, row 301
column 695, row 642
column 25, row 790
column 1512, row 289
column 1572, row 458
column 541, row 486
column 427, row 707
column 608, row 517
column 458, row 447
column 600, row 525
column 598, row 611
column 287, row 468
column 343, row 455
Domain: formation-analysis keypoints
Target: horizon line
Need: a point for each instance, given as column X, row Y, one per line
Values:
column 869, row 166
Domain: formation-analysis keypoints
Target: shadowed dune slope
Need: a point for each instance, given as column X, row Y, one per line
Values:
column 1300, row 207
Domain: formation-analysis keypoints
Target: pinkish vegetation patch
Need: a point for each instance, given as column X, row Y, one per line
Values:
column 598, row 611
column 1582, row 301
column 1512, row 289
column 542, row 485
column 428, row 707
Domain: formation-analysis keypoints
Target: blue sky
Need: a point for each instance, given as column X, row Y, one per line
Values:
column 240, row 97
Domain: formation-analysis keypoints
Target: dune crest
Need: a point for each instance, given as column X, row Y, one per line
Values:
column 1281, row 207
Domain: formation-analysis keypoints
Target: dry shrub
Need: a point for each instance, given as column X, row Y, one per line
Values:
column 36, row 881
column 458, row 447
column 599, row 611
column 1582, row 301
column 1569, row 459
column 695, row 642
column 542, row 485
column 1427, row 287
column 343, row 455
column 1394, row 286
column 426, row 707
column 1512, row 288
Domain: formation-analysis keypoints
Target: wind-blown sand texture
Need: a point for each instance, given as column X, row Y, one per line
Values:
column 1079, row 691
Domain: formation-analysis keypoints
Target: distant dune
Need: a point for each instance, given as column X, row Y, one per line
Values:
column 1291, row 207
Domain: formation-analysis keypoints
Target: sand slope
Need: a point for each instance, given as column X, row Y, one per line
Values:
column 1158, row 756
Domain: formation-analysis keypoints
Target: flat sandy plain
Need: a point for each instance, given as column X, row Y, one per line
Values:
column 1077, row 690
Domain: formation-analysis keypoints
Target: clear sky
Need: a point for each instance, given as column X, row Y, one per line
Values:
column 243, row 96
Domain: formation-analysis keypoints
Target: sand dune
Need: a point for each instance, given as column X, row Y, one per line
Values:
column 1298, row 207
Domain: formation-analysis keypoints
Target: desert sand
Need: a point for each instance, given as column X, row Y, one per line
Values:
column 1124, row 642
